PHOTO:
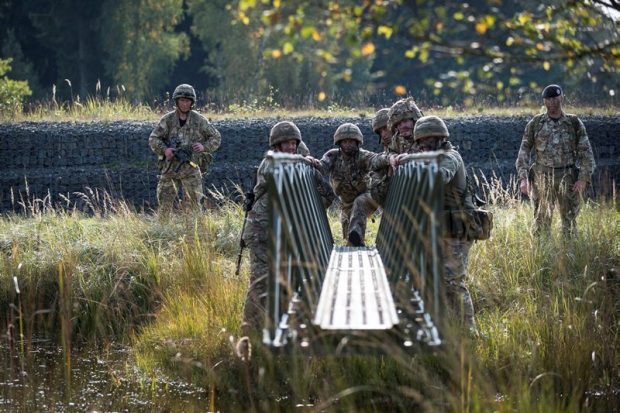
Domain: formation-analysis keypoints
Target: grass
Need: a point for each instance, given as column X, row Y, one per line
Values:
column 546, row 309
column 97, row 108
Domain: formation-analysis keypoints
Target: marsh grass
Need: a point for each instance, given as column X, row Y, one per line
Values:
column 546, row 309
column 104, row 108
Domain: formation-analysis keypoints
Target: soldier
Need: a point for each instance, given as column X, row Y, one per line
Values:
column 563, row 166
column 348, row 167
column 402, row 118
column 378, row 181
column 283, row 137
column 431, row 134
column 183, row 141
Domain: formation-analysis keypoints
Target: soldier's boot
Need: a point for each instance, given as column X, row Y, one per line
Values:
column 356, row 238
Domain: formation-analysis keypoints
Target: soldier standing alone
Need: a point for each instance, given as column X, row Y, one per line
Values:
column 563, row 166
column 183, row 141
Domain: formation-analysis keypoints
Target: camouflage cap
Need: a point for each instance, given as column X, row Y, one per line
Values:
column 348, row 131
column 380, row 120
column 401, row 110
column 552, row 91
column 282, row 132
column 184, row 91
column 430, row 126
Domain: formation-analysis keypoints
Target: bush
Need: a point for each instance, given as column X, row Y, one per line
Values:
column 12, row 91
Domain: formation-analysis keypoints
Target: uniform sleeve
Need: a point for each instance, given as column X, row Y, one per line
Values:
column 585, row 157
column 327, row 162
column 448, row 166
column 213, row 139
column 156, row 139
column 523, row 158
column 378, row 161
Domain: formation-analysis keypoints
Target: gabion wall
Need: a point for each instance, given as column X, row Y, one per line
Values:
column 73, row 162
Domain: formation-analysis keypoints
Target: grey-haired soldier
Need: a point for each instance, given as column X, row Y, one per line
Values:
column 183, row 141
column 564, row 163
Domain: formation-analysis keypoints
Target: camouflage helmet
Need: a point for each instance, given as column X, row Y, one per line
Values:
column 284, row 131
column 401, row 110
column 184, row 91
column 380, row 120
column 348, row 131
column 429, row 126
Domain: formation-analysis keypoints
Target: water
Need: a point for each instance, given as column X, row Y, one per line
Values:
column 39, row 381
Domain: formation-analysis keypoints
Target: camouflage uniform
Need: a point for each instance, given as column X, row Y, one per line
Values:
column 255, row 237
column 401, row 110
column 188, row 176
column 348, row 176
column 455, row 245
column 379, row 180
column 563, row 156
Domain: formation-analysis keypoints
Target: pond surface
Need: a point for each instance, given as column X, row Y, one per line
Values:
column 37, row 379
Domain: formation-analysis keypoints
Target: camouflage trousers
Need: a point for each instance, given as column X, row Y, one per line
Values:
column 378, row 186
column 256, row 297
column 455, row 253
column 549, row 188
column 189, row 180
column 353, row 215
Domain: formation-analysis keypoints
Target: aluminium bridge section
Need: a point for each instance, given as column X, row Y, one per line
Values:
column 323, row 297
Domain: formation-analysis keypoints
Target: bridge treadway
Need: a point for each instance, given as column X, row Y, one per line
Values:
column 356, row 294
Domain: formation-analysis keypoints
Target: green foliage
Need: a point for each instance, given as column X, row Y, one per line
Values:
column 483, row 47
column 12, row 92
column 546, row 309
column 142, row 44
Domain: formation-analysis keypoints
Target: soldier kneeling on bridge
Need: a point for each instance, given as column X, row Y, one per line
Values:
column 348, row 167
column 431, row 134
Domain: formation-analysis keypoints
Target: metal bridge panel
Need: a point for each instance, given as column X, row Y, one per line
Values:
column 356, row 294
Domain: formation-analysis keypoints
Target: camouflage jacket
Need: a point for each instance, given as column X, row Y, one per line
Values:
column 454, row 176
column 557, row 143
column 258, row 217
column 401, row 145
column 348, row 175
column 196, row 129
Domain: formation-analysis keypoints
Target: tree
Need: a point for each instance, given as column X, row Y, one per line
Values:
column 12, row 92
column 141, row 44
column 483, row 45
column 69, row 29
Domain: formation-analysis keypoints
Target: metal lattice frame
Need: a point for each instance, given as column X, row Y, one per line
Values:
column 410, row 230
column 300, row 243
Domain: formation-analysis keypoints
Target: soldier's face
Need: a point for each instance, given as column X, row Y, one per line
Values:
column 553, row 104
column 405, row 127
column 184, row 104
column 289, row 146
column 349, row 146
column 386, row 135
column 429, row 143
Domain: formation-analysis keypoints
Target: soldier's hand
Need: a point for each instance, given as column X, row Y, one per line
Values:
column 169, row 153
column 198, row 147
column 579, row 186
column 314, row 162
column 524, row 186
